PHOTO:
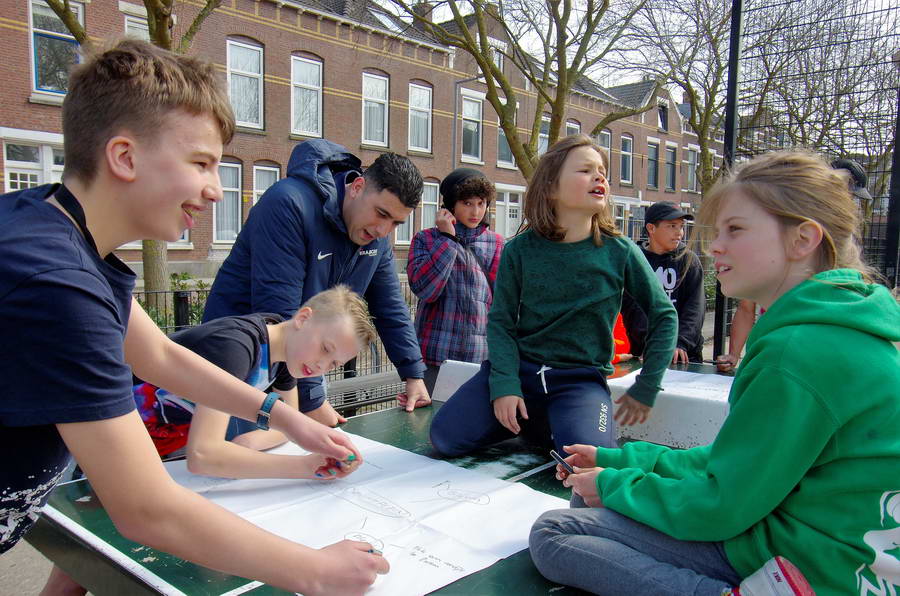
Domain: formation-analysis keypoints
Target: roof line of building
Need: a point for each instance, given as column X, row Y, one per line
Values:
column 354, row 23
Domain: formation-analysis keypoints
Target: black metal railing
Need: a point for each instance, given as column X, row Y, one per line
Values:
column 173, row 310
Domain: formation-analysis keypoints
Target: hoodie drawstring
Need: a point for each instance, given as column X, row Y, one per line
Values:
column 544, row 368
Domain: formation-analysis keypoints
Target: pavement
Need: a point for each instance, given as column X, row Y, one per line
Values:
column 23, row 570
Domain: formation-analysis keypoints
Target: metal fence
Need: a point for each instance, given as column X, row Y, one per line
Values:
column 173, row 310
column 827, row 78
column 821, row 75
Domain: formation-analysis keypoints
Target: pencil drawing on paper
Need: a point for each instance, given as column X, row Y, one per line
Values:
column 362, row 537
column 461, row 496
column 372, row 501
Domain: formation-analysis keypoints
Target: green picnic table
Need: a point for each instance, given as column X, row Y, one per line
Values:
column 76, row 533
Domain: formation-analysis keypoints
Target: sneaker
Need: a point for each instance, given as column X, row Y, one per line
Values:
column 778, row 577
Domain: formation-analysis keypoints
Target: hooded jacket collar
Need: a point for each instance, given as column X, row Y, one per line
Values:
column 837, row 297
column 326, row 167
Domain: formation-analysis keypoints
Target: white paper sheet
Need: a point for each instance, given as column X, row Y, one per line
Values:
column 434, row 521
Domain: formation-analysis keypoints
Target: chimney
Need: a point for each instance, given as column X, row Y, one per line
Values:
column 493, row 10
column 423, row 9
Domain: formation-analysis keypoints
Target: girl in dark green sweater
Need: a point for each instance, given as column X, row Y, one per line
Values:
column 550, row 329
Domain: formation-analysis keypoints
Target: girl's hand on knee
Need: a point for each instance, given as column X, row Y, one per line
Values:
column 584, row 483
column 631, row 411
column 506, row 408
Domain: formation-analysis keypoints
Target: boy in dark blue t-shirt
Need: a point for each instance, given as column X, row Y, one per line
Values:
column 269, row 353
column 144, row 130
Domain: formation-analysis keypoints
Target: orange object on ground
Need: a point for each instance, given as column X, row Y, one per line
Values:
column 620, row 339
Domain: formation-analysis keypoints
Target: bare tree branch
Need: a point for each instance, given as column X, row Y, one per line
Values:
column 63, row 10
column 551, row 43
column 188, row 38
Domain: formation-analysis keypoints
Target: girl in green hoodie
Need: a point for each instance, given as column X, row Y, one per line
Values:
column 807, row 465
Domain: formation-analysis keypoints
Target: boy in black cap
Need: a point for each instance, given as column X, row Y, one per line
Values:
column 681, row 275
column 859, row 180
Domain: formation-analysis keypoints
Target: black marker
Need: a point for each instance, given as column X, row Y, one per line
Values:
column 562, row 462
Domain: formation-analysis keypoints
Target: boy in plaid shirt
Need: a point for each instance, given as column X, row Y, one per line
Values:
column 452, row 268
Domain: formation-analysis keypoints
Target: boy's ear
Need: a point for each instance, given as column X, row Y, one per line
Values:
column 357, row 187
column 119, row 153
column 806, row 239
column 302, row 316
column 650, row 227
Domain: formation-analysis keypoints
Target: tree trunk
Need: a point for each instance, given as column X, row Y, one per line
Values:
column 156, row 273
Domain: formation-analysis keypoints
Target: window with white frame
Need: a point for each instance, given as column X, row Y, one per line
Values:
column 471, row 128
column 692, row 155
column 497, row 58
column 430, row 195
column 245, row 83
column 619, row 215
column 604, row 138
column 137, row 27
column 626, row 159
column 573, row 127
column 263, row 178
column 498, row 47
column 375, row 96
column 54, row 47
column 227, row 212
column 28, row 165
column 670, row 167
column 508, row 212
column 387, row 21
column 662, row 117
column 505, row 155
column 544, row 136
column 306, row 96
column 419, row 117
column 403, row 233
column 653, row 165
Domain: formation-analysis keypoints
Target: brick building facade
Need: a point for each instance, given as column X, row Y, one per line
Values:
column 342, row 70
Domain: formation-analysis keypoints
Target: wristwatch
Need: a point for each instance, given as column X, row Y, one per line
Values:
column 265, row 411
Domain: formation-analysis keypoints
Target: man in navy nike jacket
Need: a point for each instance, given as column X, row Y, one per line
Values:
column 325, row 224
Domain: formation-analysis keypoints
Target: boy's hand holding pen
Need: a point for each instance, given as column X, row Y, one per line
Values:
column 578, row 471
column 333, row 468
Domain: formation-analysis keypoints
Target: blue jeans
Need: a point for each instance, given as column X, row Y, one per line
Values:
column 604, row 552
column 565, row 406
